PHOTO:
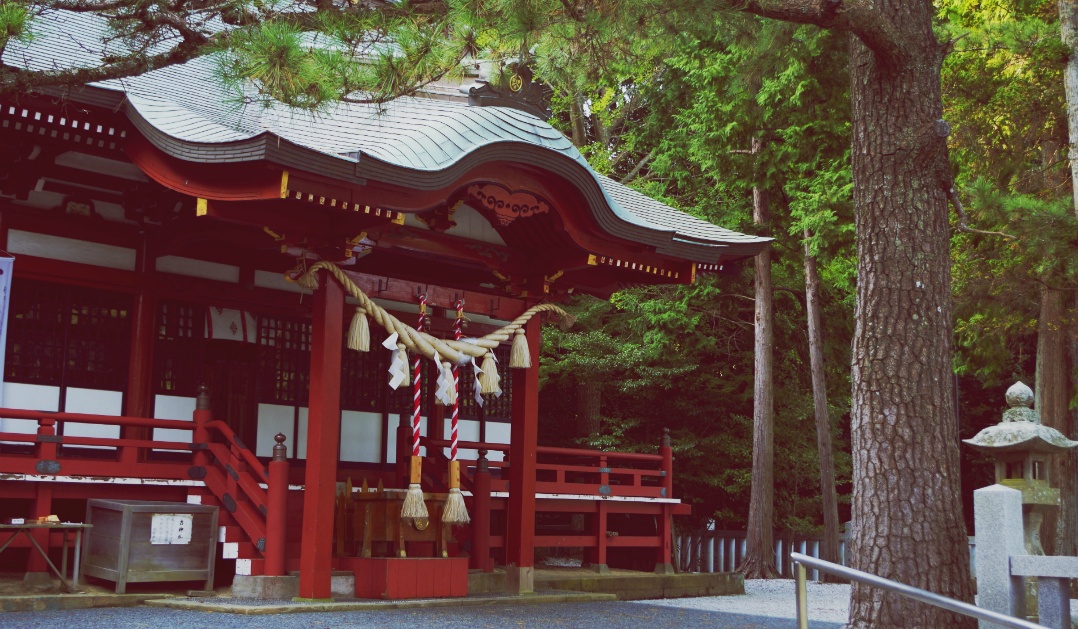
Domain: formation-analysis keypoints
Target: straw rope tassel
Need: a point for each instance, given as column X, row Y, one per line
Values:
column 455, row 511
column 519, row 356
column 455, row 352
column 359, row 333
column 414, row 506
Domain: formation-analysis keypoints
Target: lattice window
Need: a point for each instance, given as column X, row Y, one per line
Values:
column 98, row 339
column 364, row 376
column 180, row 348
column 495, row 407
column 68, row 336
column 36, row 333
column 284, row 360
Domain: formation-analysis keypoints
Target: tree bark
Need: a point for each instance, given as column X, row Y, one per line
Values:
column 576, row 118
column 1068, row 25
column 907, row 502
column 589, row 398
column 759, row 561
column 829, row 501
column 1067, row 526
column 1052, row 390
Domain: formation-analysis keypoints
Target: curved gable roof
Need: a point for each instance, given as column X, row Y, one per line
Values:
column 414, row 142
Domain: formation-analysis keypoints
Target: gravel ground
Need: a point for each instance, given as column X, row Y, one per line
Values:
column 827, row 602
column 618, row 615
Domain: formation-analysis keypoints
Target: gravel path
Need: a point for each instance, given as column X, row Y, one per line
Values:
column 774, row 598
column 617, row 615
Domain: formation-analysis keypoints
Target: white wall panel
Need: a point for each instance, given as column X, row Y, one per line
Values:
column 361, row 437
column 391, row 438
column 70, row 250
column 497, row 432
column 199, row 268
column 173, row 407
column 273, row 419
column 277, row 281
column 93, row 402
column 301, row 438
column 32, row 397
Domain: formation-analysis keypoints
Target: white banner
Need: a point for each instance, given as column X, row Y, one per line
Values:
column 231, row 325
column 6, row 265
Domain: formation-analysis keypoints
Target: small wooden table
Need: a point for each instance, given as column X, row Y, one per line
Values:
column 76, row 527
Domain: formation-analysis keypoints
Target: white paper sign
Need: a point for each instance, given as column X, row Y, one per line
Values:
column 171, row 528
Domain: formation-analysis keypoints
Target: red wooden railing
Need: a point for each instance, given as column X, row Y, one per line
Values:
column 574, row 472
column 225, row 465
column 235, row 475
column 581, row 472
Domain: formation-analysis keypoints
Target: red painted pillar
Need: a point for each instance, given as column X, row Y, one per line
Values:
column 520, row 527
column 36, row 568
column 200, row 436
column 139, row 399
column 323, row 440
column 276, row 519
column 481, row 515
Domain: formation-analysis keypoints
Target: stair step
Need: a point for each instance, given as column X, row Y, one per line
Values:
column 231, row 533
column 251, row 567
column 239, row 550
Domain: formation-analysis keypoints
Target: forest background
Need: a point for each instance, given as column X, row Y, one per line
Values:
column 676, row 119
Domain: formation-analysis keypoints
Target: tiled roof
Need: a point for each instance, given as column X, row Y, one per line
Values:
column 188, row 104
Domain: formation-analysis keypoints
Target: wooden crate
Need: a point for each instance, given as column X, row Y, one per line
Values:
column 138, row 541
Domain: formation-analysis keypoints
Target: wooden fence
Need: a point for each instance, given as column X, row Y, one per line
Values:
column 722, row 551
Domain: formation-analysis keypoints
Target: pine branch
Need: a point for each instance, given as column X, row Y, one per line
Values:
column 963, row 219
column 639, row 166
column 15, row 81
column 860, row 17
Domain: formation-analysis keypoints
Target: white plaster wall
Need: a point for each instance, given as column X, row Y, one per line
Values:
column 93, row 402
column 32, row 397
column 70, row 250
column 199, row 268
column 273, row 419
column 173, row 407
column 361, row 437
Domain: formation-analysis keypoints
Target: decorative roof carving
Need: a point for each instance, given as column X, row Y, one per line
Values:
column 507, row 205
column 517, row 89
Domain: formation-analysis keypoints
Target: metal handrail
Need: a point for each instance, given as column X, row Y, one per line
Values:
column 901, row 589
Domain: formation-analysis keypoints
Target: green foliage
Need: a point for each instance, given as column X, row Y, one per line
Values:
column 14, row 22
column 683, row 355
column 1004, row 88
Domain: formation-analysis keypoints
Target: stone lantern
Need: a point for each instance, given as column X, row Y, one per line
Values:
column 1022, row 448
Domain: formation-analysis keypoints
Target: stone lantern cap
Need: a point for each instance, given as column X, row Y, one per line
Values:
column 1021, row 429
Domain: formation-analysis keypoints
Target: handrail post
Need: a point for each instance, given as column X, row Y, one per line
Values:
column 801, row 595
column 200, row 437
column 46, row 439
column 481, row 521
column 276, row 518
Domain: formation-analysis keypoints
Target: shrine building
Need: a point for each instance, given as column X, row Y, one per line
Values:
column 191, row 276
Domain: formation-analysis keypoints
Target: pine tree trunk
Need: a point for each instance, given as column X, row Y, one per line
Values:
column 907, row 502
column 1051, row 390
column 759, row 561
column 1067, row 526
column 1068, row 25
column 589, row 398
column 830, row 545
column 576, row 118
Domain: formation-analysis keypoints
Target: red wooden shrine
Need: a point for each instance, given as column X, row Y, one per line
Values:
column 153, row 229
